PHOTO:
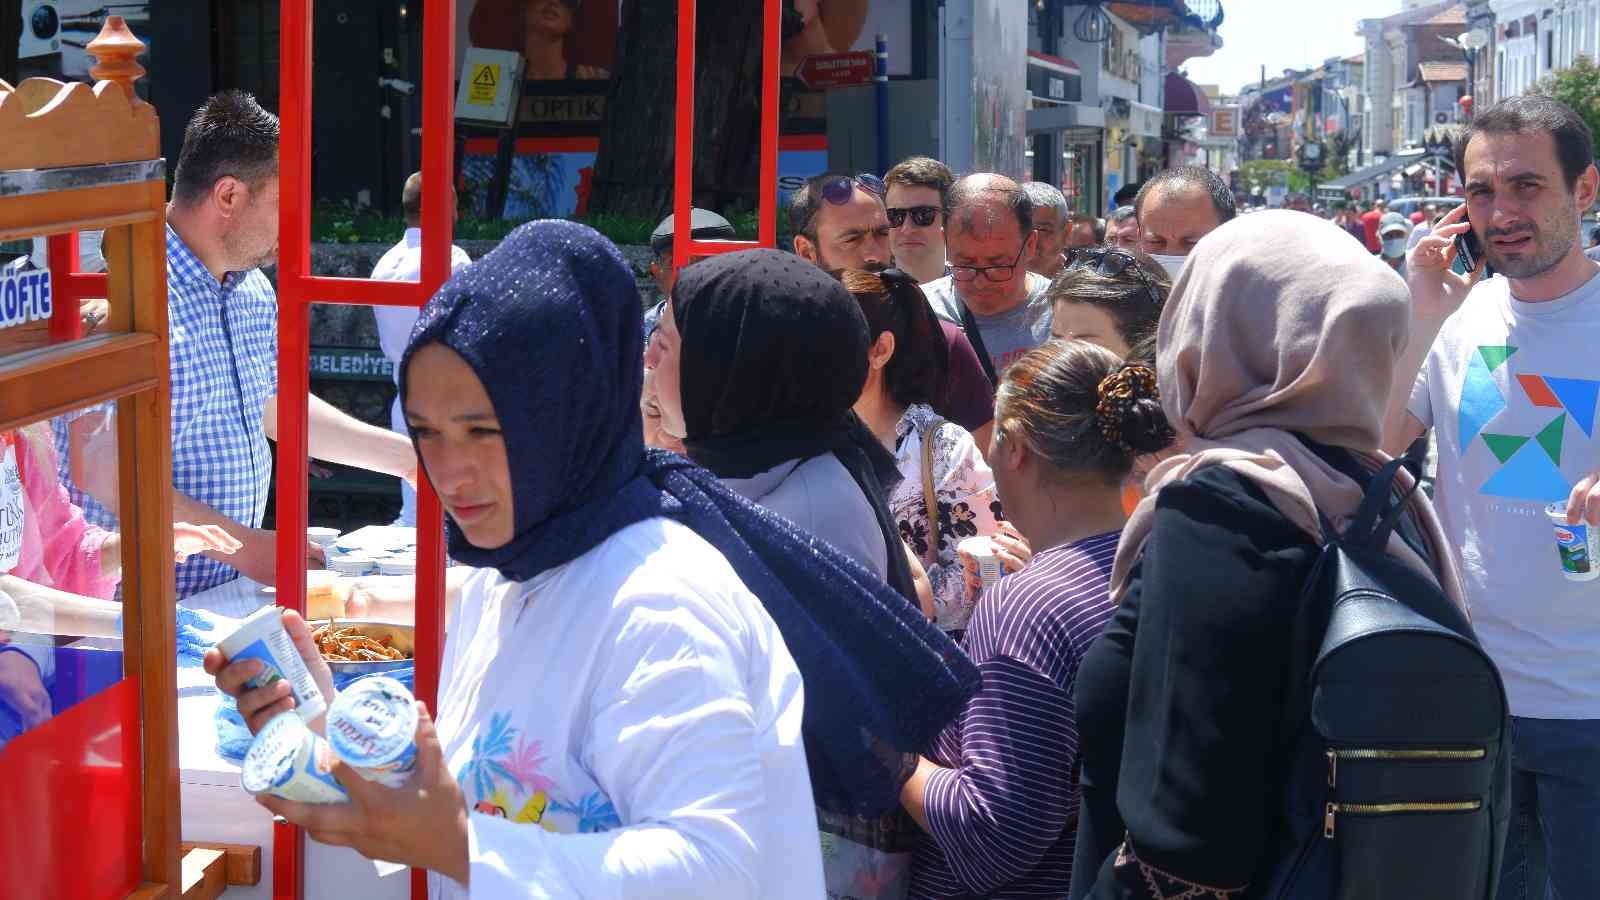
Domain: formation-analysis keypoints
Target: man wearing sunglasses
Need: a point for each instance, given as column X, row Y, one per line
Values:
column 918, row 188
column 989, row 292
column 839, row 222
column 835, row 228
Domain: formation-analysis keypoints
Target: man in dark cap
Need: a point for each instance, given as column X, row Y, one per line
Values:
column 705, row 225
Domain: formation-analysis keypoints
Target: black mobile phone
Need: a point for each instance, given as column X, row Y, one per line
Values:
column 1469, row 249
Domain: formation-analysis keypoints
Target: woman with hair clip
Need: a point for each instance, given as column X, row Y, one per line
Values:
column 946, row 492
column 1108, row 297
column 996, row 793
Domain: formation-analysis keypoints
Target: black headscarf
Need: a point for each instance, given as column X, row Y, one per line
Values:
column 550, row 322
column 773, row 357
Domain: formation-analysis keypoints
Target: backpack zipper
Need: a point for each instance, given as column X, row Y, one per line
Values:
column 1337, row 753
column 1384, row 809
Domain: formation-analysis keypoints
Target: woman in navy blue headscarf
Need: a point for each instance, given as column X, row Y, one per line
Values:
column 627, row 664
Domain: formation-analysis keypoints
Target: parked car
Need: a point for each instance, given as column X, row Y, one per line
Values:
column 1405, row 206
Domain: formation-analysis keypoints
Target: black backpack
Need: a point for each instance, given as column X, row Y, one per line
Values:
column 1399, row 779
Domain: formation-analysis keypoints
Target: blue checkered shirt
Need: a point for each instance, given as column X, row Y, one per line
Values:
column 224, row 354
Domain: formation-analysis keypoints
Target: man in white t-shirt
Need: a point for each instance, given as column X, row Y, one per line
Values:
column 1509, row 383
column 403, row 262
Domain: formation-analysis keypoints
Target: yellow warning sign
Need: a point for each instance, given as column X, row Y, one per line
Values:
column 485, row 78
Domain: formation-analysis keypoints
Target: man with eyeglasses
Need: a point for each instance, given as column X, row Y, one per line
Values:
column 836, row 222
column 917, row 189
column 989, row 292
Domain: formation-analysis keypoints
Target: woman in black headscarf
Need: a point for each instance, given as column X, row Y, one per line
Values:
column 764, row 356
column 619, row 672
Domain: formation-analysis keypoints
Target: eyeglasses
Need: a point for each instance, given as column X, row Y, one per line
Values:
column 993, row 273
column 1111, row 262
column 921, row 216
column 838, row 190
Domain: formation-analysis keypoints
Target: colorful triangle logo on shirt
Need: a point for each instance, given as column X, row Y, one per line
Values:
column 1550, row 438
column 1538, row 391
column 1493, row 357
column 1529, row 475
column 1578, row 396
column 1503, row 446
column 1480, row 398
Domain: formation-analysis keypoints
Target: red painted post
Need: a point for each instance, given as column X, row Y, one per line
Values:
column 684, row 246
column 438, row 167
column 294, row 359
column 298, row 289
column 61, row 258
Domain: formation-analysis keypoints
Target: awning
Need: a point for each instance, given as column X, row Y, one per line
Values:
column 1184, row 98
column 1064, row 116
column 1370, row 173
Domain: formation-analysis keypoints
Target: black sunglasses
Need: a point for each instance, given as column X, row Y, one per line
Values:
column 921, row 216
column 838, row 190
column 1111, row 262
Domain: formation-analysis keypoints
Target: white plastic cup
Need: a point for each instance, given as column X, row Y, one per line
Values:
column 398, row 565
column 352, row 564
column 372, row 727
column 322, row 536
column 291, row 761
column 262, row 636
column 987, row 556
column 1578, row 545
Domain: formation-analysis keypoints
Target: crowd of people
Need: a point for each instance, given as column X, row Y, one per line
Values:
column 717, row 574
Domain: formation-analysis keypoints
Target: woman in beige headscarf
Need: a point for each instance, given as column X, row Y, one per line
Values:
column 1274, row 364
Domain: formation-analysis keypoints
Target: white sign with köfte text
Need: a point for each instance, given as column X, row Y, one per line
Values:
column 24, row 297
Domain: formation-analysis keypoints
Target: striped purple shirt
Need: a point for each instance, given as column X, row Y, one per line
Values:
column 1002, row 812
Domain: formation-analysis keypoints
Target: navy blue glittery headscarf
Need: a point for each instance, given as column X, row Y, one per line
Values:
column 550, row 322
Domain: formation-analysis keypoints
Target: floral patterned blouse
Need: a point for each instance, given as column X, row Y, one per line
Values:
column 968, row 505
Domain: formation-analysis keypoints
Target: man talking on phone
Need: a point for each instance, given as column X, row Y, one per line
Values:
column 1503, row 370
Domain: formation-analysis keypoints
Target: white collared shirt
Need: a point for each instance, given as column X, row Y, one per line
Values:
column 403, row 262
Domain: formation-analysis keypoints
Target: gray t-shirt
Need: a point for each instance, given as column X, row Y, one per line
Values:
column 1511, row 393
column 822, row 497
column 1008, row 335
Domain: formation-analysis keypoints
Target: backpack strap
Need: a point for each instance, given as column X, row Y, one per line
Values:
column 1380, row 508
column 930, row 497
column 970, row 326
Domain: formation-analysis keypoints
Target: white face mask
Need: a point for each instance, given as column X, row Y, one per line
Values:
column 1173, row 264
column 1394, row 247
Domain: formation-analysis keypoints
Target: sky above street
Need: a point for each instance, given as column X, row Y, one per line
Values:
column 1282, row 35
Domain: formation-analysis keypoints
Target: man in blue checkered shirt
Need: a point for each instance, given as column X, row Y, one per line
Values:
column 222, row 226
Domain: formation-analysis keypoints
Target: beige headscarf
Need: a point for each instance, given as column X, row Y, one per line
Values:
column 1280, row 323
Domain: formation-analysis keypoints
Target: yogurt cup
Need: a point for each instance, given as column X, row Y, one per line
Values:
column 322, row 536
column 1578, row 545
column 262, row 636
column 398, row 565
column 372, row 727
column 352, row 564
column 291, row 761
column 984, row 552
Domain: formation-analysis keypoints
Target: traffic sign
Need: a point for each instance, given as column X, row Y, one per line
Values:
column 835, row 70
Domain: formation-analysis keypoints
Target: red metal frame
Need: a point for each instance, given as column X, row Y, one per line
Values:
column 69, row 287
column 298, row 289
column 684, row 246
